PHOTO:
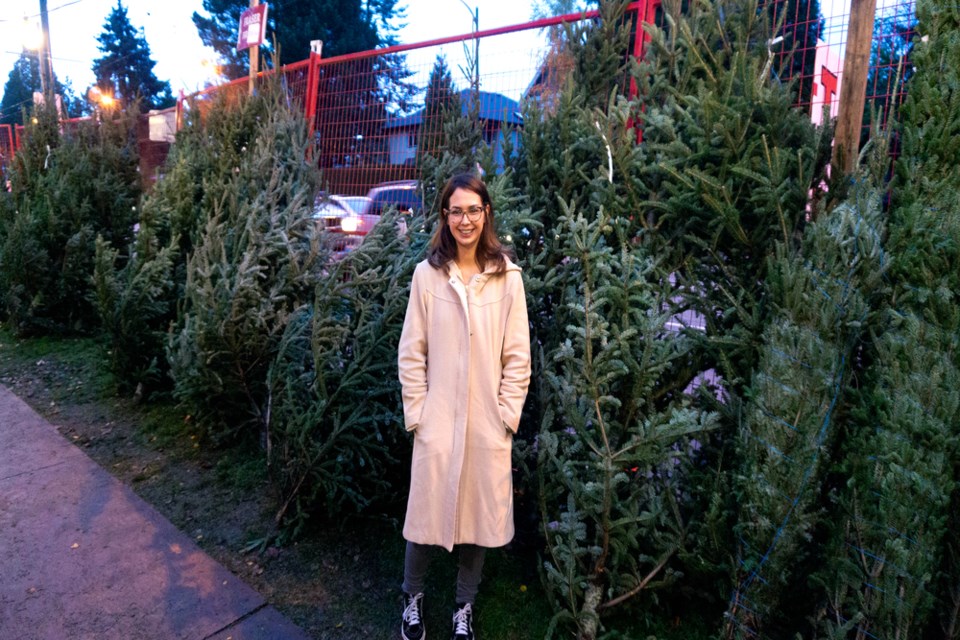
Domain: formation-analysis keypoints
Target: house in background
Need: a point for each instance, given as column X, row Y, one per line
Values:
column 499, row 115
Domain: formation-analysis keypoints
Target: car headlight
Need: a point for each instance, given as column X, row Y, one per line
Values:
column 350, row 224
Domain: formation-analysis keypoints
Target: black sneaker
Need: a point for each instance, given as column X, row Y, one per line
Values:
column 411, row 626
column 463, row 622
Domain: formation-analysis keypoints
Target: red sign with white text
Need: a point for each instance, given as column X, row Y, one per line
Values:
column 253, row 26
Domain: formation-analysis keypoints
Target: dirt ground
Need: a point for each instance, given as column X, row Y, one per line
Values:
column 338, row 581
column 329, row 583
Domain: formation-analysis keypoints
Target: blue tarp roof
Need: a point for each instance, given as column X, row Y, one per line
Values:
column 493, row 106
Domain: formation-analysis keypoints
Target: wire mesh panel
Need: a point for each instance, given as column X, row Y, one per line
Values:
column 295, row 79
column 377, row 114
column 6, row 148
column 890, row 69
column 810, row 45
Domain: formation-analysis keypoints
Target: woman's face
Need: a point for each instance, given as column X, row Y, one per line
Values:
column 463, row 207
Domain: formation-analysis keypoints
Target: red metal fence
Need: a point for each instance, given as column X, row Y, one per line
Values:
column 371, row 121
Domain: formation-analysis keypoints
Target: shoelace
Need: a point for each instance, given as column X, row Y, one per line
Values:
column 412, row 611
column 461, row 621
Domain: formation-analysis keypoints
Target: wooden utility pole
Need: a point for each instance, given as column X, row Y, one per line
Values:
column 255, row 56
column 856, row 66
column 46, row 58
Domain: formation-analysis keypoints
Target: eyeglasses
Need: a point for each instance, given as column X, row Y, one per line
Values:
column 473, row 213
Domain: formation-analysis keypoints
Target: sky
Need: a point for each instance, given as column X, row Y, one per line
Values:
column 173, row 39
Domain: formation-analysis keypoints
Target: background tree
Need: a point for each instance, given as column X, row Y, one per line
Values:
column 799, row 24
column 548, row 8
column 345, row 26
column 890, row 70
column 126, row 70
column 355, row 96
column 556, row 61
column 219, row 31
column 441, row 99
column 23, row 81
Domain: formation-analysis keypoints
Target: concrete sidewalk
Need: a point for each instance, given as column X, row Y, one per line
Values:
column 82, row 557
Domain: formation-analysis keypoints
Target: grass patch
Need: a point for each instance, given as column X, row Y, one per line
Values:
column 242, row 469
column 70, row 367
column 168, row 426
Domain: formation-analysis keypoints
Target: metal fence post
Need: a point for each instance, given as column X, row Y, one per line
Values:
column 311, row 97
column 646, row 14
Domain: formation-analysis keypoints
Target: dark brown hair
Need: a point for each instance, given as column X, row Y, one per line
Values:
column 443, row 247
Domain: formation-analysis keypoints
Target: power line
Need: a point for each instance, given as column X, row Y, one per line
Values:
column 19, row 53
column 37, row 15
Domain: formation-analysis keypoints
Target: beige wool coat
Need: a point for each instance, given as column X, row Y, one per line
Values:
column 464, row 361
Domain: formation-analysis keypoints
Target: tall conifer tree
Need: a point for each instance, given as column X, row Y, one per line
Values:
column 732, row 164
column 614, row 442
column 735, row 162
column 139, row 286
column 23, row 81
column 440, row 104
column 126, row 70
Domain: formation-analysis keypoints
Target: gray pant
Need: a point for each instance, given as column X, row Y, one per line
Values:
column 470, row 563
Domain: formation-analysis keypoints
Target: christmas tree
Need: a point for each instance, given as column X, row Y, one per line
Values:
column 140, row 286
column 441, row 104
column 253, row 263
column 336, row 447
column 820, row 296
column 613, row 452
column 67, row 188
column 902, row 458
column 615, row 444
column 734, row 163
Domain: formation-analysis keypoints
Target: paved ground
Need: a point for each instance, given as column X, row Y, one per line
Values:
column 82, row 557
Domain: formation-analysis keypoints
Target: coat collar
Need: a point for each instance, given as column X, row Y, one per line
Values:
column 456, row 276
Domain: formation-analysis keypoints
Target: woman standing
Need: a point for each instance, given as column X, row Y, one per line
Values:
column 464, row 362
